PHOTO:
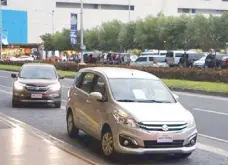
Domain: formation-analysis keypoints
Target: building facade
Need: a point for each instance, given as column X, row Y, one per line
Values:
column 26, row 20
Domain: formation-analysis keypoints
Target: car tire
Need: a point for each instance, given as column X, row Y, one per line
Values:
column 107, row 145
column 71, row 129
column 15, row 104
column 58, row 104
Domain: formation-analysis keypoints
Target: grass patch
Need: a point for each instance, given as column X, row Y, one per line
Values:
column 200, row 85
column 197, row 85
column 10, row 67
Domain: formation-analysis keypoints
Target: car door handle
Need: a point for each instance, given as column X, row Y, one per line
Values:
column 75, row 94
column 88, row 101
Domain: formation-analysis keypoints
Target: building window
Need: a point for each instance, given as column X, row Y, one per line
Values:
column 4, row 2
column 94, row 6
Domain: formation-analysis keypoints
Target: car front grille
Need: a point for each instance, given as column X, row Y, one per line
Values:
column 151, row 126
column 155, row 144
column 33, row 88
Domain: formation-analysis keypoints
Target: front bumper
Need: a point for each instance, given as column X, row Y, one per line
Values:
column 47, row 97
column 147, row 141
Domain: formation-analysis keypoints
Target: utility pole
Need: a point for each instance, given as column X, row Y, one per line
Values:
column 129, row 10
column 82, row 46
column 52, row 15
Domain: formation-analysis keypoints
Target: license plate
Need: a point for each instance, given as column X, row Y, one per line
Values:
column 164, row 138
column 36, row 96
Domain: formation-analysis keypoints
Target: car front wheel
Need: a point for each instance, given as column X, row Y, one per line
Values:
column 15, row 104
column 58, row 104
column 107, row 144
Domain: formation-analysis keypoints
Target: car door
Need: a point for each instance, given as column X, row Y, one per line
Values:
column 98, row 108
column 80, row 100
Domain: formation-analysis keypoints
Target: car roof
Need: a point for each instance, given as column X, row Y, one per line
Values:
column 116, row 72
column 38, row 64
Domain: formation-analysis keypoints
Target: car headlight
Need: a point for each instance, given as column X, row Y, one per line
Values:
column 123, row 118
column 191, row 123
column 55, row 87
column 18, row 86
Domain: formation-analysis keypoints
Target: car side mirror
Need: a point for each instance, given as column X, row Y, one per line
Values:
column 95, row 96
column 61, row 77
column 13, row 75
column 176, row 96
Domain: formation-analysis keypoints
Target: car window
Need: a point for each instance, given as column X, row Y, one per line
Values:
column 151, row 58
column 141, row 59
column 178, row 54
column 169, row 54
column 38, row 72
column 99, row 86
column 86, row 83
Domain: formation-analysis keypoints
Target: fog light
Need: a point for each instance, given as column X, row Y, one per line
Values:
column 127, row 141
column 192, row 142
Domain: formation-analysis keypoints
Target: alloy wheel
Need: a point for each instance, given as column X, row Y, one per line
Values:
column 107, row 144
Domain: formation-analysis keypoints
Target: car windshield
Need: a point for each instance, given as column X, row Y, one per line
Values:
column 38, row 72
column 140, row 90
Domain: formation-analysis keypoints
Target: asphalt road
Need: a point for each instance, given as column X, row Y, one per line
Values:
column 211, row 114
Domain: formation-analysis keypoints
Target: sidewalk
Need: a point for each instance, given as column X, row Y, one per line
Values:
column 21, row 148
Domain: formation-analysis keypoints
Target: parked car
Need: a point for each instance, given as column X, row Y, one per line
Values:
column 129, row 111
column 213, row 60
column 150, row 60
column 36, row 83
column 224, row 63
column 200, row 63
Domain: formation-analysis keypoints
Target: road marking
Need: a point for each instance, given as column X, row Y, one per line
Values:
column 210, row 111
column 202, row 96
column 5, row 86
column 214, row 138
column 6, row 92
column 4, row 76
column 212, row 149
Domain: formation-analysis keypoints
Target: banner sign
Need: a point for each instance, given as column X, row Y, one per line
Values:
column 73, row 29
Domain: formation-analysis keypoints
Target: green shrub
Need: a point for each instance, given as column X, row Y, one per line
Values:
column 194, row 74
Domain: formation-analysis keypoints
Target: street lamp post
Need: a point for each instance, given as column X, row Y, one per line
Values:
column 129, row 10
column 82, row 46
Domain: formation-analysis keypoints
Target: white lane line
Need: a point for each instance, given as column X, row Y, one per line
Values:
column 210, row 111
column 6, row 92
column 4, row 76
column 5, row 86
column 212, row 149
column 214, row 138
column 202, row 96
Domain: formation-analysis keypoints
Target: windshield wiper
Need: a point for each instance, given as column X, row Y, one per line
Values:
column 154, row 101
column 126, row 100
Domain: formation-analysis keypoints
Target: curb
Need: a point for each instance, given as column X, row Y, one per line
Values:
column 46, row 137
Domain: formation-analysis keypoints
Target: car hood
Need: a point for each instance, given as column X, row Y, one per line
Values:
column 37, row 82
column 157, row 112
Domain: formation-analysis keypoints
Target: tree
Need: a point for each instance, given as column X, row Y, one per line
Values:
column 92, row 38
column 108, row 35
column 126, row 37
column 48, row 42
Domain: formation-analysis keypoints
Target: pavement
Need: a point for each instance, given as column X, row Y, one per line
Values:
column 20, row 146
column 210, row 112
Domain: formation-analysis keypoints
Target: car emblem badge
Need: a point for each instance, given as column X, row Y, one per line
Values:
column 165, row 127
